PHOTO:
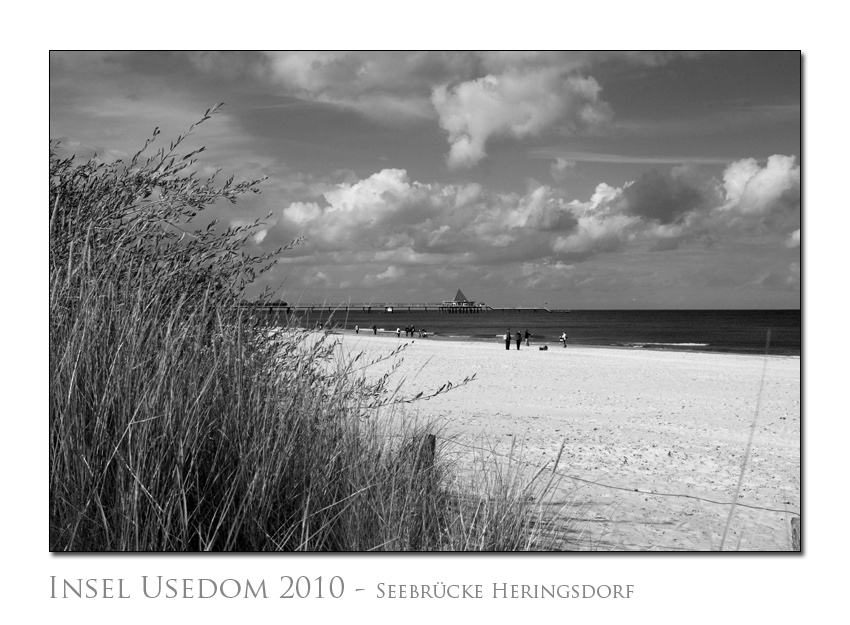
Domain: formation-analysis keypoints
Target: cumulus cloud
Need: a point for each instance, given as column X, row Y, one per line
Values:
column 513, row 104
column 379, row 194
column 397, row 224
column 794, row 239
column 601, row 226
column 301, row 213
column 664, row 211
column 544, row 211
column 596, row 235
column 394, row 219
column 755, row 190
column 667, row 197
column 377, row 210
column 391, row 274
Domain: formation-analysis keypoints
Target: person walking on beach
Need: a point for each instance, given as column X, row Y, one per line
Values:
column 518, row 339
column 356, row 329
column 563, row 339
column 398, row 332
column 528, row 335
column 375, row 329
column 508, row 339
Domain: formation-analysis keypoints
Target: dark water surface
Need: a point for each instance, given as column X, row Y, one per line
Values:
column 737, row 331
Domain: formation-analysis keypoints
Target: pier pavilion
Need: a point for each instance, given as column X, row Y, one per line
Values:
column 460, row 304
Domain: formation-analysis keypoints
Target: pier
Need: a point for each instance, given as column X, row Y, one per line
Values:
column 390, row 307
column 460, row 305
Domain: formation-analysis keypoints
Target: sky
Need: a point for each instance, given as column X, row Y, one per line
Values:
column 582, row 180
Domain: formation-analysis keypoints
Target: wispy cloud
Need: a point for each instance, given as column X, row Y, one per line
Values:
column 554, row 153
column 730, row 117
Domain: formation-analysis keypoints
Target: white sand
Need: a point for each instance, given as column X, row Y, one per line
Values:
column 654, row 421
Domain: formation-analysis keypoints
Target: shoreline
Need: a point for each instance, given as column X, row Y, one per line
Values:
column 556, row 345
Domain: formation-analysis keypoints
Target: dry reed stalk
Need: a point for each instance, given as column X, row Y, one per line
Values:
column 177, row 424
column 746, row 458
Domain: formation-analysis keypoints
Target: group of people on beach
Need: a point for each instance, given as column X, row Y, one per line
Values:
column 408, row 331
column 518, row 338
column 508, row 339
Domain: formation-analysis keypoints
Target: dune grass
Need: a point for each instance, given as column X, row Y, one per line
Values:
column 180, row 421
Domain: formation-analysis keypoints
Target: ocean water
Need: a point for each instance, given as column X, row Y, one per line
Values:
column 737, row 331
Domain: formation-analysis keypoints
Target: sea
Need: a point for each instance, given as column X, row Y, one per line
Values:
column 732, row 331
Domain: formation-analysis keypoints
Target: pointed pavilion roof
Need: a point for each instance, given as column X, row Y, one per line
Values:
column 460, row 297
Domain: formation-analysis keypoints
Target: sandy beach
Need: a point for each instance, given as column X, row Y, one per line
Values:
column 662, row 434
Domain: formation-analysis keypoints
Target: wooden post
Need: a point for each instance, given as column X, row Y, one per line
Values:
column 796, row 534
column 426, row 452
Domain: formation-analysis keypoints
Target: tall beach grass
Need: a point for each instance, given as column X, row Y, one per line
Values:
column 180, row 421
